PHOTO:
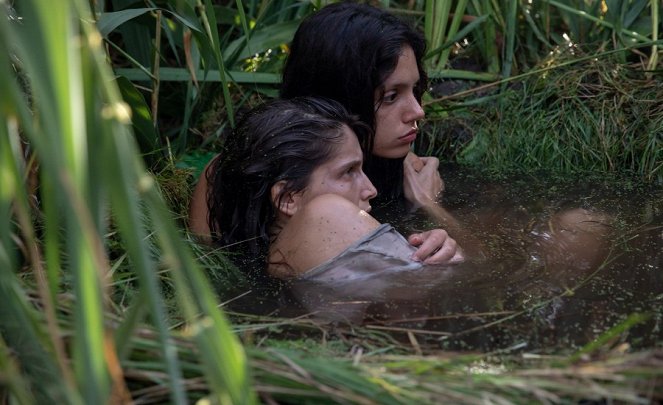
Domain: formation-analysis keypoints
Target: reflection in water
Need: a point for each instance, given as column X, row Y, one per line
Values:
column 564, row 261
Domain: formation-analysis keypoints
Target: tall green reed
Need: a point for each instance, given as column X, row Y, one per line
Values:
column 205, row 48
column 443, row 32
column 60, row 103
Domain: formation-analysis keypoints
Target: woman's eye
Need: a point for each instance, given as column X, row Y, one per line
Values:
column 389, row 97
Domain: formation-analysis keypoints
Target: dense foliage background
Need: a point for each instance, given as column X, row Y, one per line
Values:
column 105, row 299
column 487, row 60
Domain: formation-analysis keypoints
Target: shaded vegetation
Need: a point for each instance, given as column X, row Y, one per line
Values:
column 597, row 115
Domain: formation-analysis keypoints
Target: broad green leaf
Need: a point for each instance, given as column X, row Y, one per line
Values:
column 141, row 117
column 109, row 21
column 261, row 40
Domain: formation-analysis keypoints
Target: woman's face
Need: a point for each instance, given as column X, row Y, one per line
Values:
column 342, row 175
column 397, row 110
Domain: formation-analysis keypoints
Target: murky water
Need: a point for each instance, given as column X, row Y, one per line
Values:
column 561, row 262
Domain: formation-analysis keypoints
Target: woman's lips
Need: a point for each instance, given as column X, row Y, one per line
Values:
column 409, row 137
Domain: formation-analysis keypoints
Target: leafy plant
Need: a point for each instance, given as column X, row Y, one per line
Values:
column 77, row 129
column 197, row 48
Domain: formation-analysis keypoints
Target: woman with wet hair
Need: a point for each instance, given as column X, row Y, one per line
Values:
column 289, row 185
column 371, row 62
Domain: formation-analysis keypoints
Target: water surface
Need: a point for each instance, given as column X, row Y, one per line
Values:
column 539, row 282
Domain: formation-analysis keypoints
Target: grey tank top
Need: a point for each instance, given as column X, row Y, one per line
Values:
column 376, row 268
column 382, row 250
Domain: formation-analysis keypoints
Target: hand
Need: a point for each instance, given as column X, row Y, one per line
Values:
column 422, row 184
column 436, row 247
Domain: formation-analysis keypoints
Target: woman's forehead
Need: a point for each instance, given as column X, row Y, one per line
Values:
column 406, row 72
column 348, row 148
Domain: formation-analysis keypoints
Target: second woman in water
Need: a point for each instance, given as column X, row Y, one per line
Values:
column 289, row 185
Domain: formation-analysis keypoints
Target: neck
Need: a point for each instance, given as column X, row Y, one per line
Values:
column 386, row 175
column 277, row 226
column 277, row 256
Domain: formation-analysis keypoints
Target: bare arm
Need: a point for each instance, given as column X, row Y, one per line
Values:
column 467, row 241
column 423, row 187
column 422, row 183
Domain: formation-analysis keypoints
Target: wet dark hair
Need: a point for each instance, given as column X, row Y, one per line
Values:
column 279, row 140
column 345, row 52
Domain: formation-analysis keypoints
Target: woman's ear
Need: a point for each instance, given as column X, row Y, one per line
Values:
column 286, row 203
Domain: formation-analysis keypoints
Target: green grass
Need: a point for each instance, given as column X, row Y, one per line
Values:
column 594, row 116
column 307, row 361
column 89, row 172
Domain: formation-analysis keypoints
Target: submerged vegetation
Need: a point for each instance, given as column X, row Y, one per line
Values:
column 105, row 108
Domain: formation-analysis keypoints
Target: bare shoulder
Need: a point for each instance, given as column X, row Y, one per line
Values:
column 198, row 211
column 337, row 208
column 321, row 230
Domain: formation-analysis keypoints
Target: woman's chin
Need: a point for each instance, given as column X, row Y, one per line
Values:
column 395, row 153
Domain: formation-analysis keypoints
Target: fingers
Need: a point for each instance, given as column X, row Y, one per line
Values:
column 459, row 257
column 422, row 183
column 415, row 239
column 414, row 162
column 436, row 247
column 447, row 254
column 430, row 163
column 410, row 173
column 431, row 169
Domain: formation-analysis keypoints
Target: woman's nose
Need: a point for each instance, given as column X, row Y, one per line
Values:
column 415, row 111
